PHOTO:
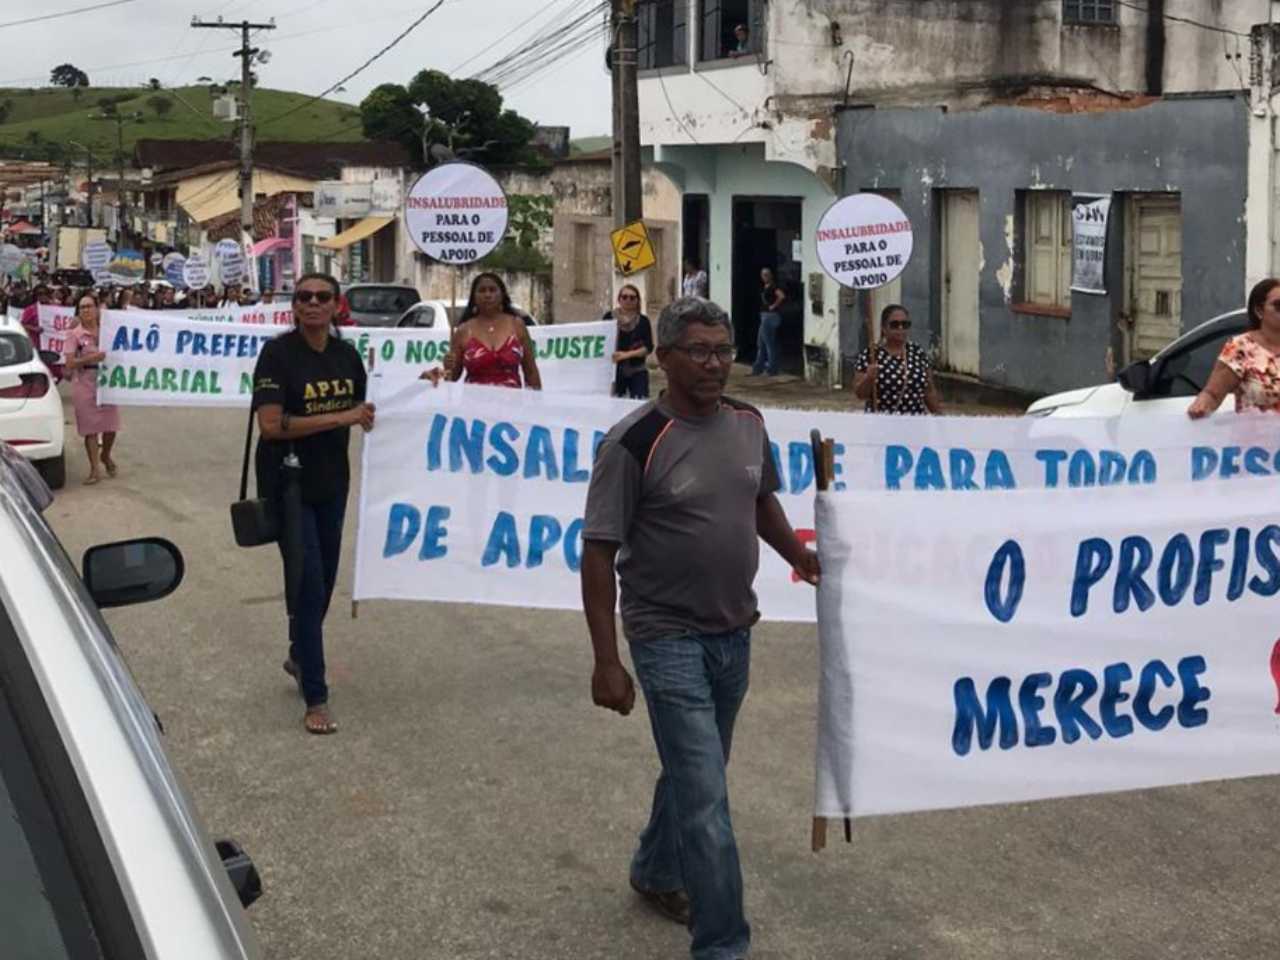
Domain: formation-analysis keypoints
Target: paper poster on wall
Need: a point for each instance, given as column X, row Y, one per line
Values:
column 864, row 241
column 1090, row 214
column 456, row 213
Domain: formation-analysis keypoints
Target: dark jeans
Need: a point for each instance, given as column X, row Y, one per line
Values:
column 767, row 344
column 321, row 546
column 634, row 385
column 693, row 686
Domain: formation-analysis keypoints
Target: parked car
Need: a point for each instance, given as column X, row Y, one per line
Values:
column 104, row 854
column 1164, row 384
column 430, row 314
column 379, row 304
column 30, row 408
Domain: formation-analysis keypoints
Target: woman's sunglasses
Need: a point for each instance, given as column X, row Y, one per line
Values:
column 898, row 325
column 319, row 296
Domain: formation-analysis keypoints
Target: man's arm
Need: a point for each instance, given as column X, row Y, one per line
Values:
column 775, row 530
column 611, row 685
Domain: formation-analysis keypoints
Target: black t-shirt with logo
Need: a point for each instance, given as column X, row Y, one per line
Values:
column 308, row 382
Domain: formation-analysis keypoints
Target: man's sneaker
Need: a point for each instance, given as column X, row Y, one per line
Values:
column 672, row 904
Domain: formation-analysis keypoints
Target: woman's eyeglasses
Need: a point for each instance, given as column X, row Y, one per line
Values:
column 319, row 296
column 898, row 325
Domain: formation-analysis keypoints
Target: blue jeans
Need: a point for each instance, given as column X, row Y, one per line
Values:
column 693, row 686
column 767, row 344
column 322, row 546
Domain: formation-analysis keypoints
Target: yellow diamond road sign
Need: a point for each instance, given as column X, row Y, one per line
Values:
column 632, row 251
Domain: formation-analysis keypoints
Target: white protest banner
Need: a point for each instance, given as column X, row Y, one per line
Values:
column 195, row 271
column 55, row 321
column 1047, row 643
column 864, row 241
column 230, row 260
column 272, row 314
column 456, row 213
column 1090, row 214
column 96, row 256
column 161, row 358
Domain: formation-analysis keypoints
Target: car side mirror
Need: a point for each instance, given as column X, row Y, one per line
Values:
column 50, row 358
column 132, row 571
column 1137, row 378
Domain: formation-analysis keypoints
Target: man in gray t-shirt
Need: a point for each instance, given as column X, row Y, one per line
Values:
column 682, row 491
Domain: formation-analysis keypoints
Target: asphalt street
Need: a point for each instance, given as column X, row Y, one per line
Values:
column 476, row 805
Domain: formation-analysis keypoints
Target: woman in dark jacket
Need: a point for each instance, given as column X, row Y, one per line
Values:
column 309, row 391
column 635, row 343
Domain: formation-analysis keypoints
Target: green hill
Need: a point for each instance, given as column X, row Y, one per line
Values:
column 38, row 122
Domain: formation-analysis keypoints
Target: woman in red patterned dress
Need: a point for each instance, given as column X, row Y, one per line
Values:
column 1249, row 365
column 491, row 343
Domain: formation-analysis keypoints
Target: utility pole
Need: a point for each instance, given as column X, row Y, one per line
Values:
column 88, row 175
column 119, row 119
column 627, row 195
column 246, row 54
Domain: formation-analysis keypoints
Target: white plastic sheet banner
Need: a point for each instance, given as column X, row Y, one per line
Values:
column 157, row 358
column 1022, row 645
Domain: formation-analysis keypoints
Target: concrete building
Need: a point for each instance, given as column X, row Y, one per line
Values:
column 981, row 117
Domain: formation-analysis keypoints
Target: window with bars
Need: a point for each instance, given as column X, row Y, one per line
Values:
column 662, row 33
column 1089, row 11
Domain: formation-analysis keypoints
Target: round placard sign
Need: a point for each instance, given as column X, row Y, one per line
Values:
column 864, row 241
column 173, row 265
column 230, row 257
column 456, row 213
column 195, row 272
column 96, row 255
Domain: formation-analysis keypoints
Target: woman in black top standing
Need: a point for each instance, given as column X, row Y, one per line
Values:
column 771, row 300
column 309, row 390
column 899, row 379
column 635, row 343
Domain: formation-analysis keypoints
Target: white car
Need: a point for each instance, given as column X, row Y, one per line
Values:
column 104, row 855
column 438, row 315
column 1165, row 384
column 30, row 408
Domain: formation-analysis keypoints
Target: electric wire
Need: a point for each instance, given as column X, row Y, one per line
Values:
column 65, row 13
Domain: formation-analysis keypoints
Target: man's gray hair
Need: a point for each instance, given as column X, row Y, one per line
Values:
column 677, row 316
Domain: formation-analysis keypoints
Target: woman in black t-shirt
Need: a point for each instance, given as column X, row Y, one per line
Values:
column 771, row 300
column 635, row 343
column 309, row 390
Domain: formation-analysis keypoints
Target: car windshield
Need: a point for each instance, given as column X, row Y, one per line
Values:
column 1185, row 368
column 382, row 299
column 15, row 348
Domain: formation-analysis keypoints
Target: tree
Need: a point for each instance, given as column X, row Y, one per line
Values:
column 66, row 75
column 34, row 137
column 153, row 83
column 465, row 115
column 161, row 105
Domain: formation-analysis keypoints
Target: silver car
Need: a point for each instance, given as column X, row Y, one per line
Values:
column 379, row 304
column 103, row 852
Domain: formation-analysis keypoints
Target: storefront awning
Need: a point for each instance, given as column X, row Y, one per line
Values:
column 270, row 245
column 364, row 229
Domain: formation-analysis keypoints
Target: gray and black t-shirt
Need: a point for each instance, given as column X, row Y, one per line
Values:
column 679, row 495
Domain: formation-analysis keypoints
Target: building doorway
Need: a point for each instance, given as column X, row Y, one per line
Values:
column 959, row 280
column 696, row 247
column 1155, row 273
column 766, row 233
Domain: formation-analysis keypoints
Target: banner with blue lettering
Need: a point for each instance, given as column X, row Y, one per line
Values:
column 155, row 359
column 1029, row 644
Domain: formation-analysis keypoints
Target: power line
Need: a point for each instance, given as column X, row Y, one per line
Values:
column 360, row 69
column 1184, row 20
column 66, row 13
column 545, row 43
column 519, row 26
column 671, row 106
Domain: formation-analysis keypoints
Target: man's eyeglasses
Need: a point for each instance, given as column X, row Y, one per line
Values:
column 701, row 353
column 319, row 296
column 899, row 325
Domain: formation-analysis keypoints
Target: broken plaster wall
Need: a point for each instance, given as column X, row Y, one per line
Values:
column 1194, row 146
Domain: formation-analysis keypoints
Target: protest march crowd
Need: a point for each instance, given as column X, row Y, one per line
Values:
column 682, row 490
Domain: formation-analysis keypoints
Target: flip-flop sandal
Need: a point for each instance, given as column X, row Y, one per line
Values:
column 318, row 721
column 91, row 480
column 111, row 468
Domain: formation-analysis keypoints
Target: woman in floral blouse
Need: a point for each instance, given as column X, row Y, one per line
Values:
column 1249, row 365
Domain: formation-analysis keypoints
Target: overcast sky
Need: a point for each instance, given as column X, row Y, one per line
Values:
column 109, row 44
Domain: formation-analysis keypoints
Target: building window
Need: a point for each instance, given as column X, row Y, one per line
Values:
column 663, row 33
column 1047, row 228
column 731, row 28
column 1089, row 11
column 584, row 258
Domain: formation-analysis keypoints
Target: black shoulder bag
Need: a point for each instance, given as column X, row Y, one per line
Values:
column 254, row 522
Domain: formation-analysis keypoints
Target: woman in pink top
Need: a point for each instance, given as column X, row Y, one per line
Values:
column 83, row 356
column 1249, row 365
column 491, row 344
